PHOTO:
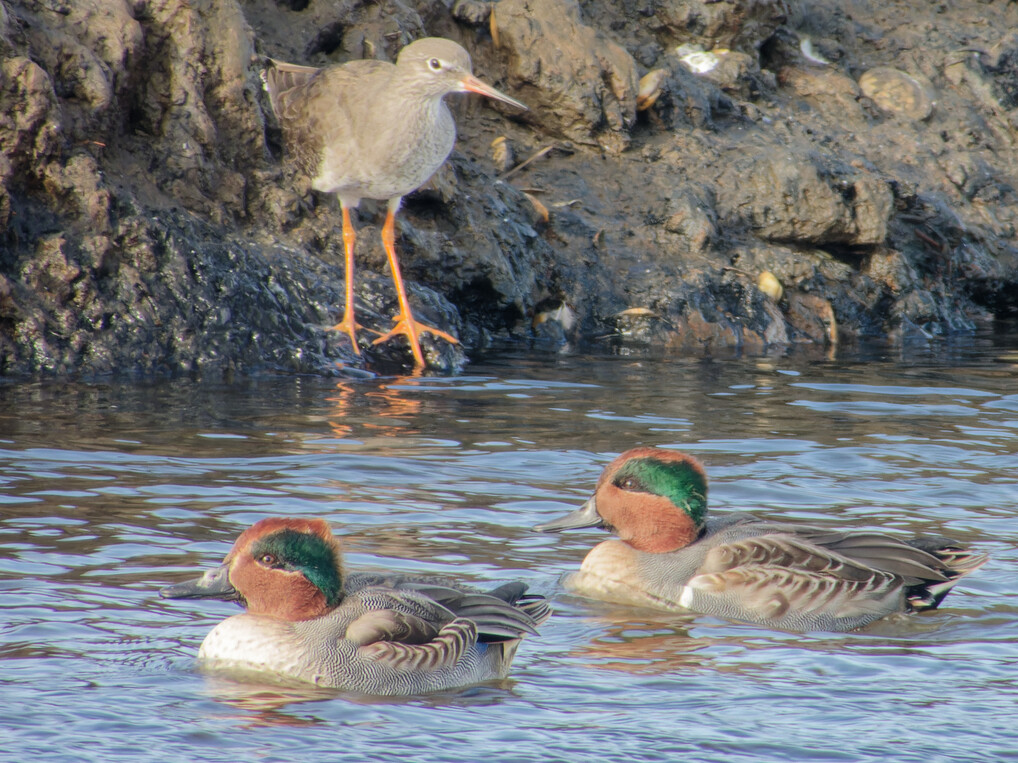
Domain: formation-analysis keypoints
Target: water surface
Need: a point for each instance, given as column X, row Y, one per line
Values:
column 110, row 490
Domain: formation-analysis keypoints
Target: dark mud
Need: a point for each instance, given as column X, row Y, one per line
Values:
column 845, row 170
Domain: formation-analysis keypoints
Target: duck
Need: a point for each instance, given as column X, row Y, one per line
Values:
column 306, row 622
column 669, row 554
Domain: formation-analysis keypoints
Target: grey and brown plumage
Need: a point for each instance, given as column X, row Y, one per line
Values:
column 306, row 620
column 670, row 554
column 376, row 130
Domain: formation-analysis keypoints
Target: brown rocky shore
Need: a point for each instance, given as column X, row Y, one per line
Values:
column 703, row 176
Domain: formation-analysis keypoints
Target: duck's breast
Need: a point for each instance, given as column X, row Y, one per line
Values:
column 253, row 643
column 614, row 571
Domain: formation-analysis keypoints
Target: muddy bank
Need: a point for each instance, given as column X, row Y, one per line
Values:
column 802, row 174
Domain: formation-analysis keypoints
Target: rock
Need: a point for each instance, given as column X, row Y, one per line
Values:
column 692, row 218
column 473, row 12
column 743, row 25
column 148, row 224
column 834, row 94
column 811, row 318
column 91, row 52
column 583, row 85
column 29, row 126
column 1001, row 66
column 789, row 197
column 992, row 79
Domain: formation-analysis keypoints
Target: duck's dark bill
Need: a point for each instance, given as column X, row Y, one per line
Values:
column 585, row 516
column 214, row 584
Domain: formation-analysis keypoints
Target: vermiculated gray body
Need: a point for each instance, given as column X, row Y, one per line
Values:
column 793, row 577
column 318, row 652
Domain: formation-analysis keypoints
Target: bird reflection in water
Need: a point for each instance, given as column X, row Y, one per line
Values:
column 651, row 647
column 373, row 409
column 263, row 705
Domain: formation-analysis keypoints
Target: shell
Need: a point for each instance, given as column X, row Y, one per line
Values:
column 700, row 61
column 542, row 211
column 493, row 28
column 502, row 153
column 769, row 284
column 806, row 48
column 650, row 88
column 895, row 91
column 636, row 312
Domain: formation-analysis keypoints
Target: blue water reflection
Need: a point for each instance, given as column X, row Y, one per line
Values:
column 110, row 490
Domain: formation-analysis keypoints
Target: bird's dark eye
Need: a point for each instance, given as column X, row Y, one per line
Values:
column 434, row 64
column 267, row 560
column 628, row 484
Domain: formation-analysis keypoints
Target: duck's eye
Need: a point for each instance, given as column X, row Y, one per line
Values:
column 268, row 560
column 434, row 64
column 628, row 484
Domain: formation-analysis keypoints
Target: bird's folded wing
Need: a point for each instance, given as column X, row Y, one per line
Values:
column 444, row 651
column 884, row 553
column 834, row 556
column 775, row 573
column 772, row 592
column 282, row 80
column 497, row 619
column 390, row 625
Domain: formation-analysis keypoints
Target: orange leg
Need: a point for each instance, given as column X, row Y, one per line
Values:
column 348, row 325
column 405, row 323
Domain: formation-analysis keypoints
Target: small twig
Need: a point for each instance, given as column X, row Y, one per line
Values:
column 509, row 173
column 740, row 271
column 929, row 241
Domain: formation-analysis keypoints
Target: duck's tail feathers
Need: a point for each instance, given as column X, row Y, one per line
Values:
column 496, row 620
column 958, row 561
column 516, row 594
column 536, row 606
column 510, row 592
column 502, row 614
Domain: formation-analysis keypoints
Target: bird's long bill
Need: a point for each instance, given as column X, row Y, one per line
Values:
column 214, row 584
column 473, row 85
column 585, row 516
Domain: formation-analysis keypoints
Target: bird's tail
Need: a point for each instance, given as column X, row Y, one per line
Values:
column 280, row 78
column 533, row 604
column 958, row 560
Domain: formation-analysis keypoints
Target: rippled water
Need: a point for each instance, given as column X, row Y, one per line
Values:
column 111, row 490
